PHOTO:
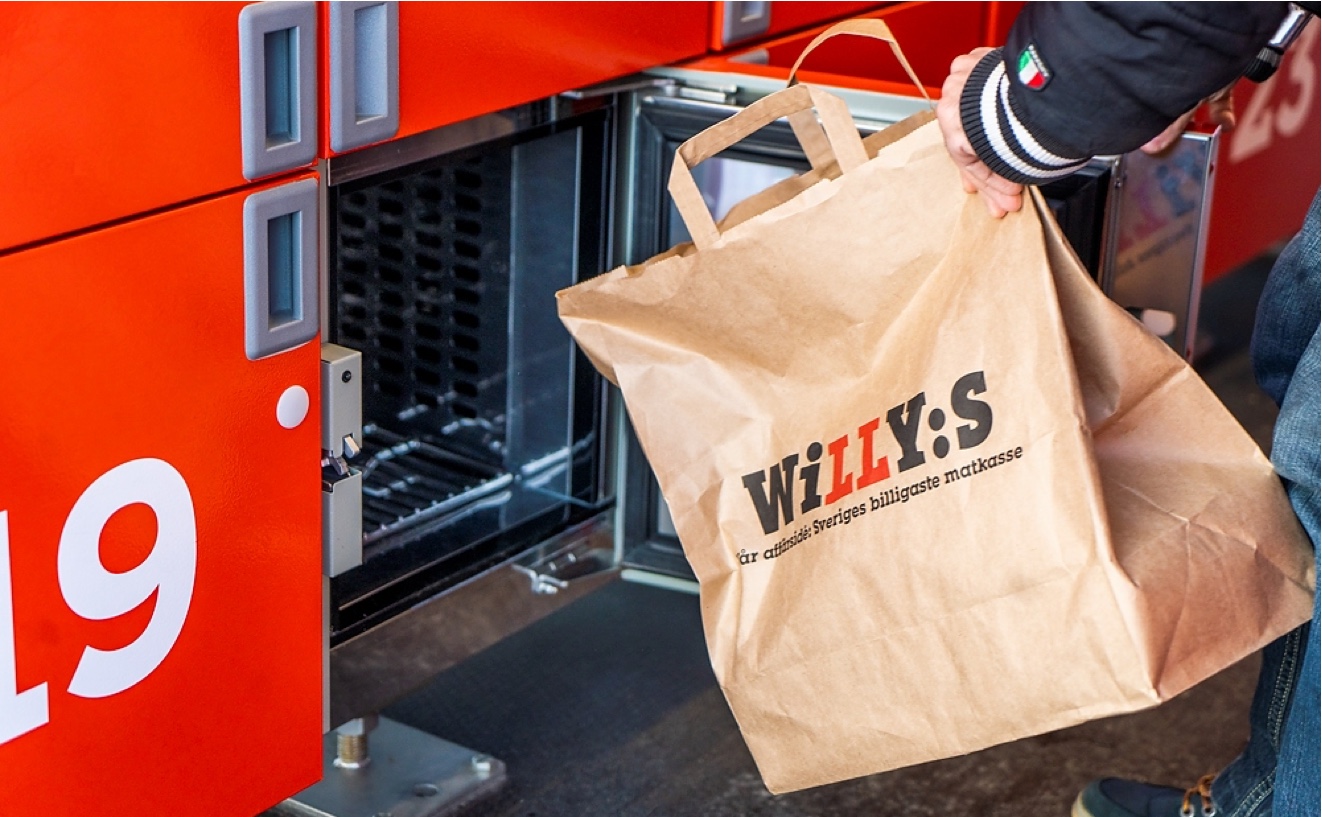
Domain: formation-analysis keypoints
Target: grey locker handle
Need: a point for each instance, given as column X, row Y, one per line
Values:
column 745, row 19
column 277, row 86
column 280, row 268
column 364, row 73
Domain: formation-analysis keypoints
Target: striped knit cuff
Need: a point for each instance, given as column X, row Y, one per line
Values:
column 1000, row 138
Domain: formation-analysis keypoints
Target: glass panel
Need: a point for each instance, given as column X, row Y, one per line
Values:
column 725, row 182
column 544, row 257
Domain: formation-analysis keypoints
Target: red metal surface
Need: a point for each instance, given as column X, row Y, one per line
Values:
column 127, row 344
column 1268, row 166
column 931, row 34
column 788, row 16
column 460, row 60
column 113, row 109
column 1000, row 17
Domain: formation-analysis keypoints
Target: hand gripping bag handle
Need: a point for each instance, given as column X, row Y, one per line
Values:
column 841, row 138
column 861, row 27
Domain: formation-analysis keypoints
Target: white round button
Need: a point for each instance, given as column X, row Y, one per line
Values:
column 293, row 407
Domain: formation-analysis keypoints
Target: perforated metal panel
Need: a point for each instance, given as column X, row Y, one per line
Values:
column 423, row 291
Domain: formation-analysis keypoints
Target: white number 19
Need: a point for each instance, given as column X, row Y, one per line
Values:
column 95, row 593
column 20, row 712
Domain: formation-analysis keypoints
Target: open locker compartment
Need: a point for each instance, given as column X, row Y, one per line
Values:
column 481, row 423
column 1138, row 223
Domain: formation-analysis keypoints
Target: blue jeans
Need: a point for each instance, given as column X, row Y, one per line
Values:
column 1278, row 772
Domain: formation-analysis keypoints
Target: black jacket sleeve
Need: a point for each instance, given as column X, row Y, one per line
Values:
column 1076, row 80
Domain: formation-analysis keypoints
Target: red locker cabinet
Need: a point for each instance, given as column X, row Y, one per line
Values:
column 447, row 62
column 114, row 109
column 160, row 556
column 1268, row 166
column 739, row 23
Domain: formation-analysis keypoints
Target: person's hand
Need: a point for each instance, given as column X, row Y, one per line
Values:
column 1220, row 111
column 1000, row 195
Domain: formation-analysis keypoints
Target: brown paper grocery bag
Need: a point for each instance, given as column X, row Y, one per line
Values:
column 938, row 491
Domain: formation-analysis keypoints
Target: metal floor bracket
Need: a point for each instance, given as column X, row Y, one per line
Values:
column 411, row 774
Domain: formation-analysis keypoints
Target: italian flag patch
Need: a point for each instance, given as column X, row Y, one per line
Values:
column 1033, row 72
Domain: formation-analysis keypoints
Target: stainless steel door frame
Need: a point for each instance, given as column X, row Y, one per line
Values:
column 670, row 106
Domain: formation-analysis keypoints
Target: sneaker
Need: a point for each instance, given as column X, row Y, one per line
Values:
column 1112, row 797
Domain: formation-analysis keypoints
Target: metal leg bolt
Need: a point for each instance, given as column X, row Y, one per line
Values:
column 351, row 743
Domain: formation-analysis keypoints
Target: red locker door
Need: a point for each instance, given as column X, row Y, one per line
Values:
column 108, row 110
column 1268, row 165
column 160, row 591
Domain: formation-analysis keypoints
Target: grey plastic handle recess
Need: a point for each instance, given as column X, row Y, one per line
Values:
column 277, row 86
column 364, row 73
column 744, row 19
column 280, row 272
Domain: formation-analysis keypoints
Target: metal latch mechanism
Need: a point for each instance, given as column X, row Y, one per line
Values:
column 341, row 483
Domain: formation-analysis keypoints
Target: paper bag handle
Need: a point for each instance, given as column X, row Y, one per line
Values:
column 861, row 27
column 841, row 138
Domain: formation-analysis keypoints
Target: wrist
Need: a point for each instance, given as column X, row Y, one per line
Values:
column 997, row 134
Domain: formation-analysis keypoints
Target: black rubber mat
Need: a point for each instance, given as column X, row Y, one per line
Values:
column 575, row 695
column 609, row 708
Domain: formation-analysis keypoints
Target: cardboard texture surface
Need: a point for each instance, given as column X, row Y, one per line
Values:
column 939, row 492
